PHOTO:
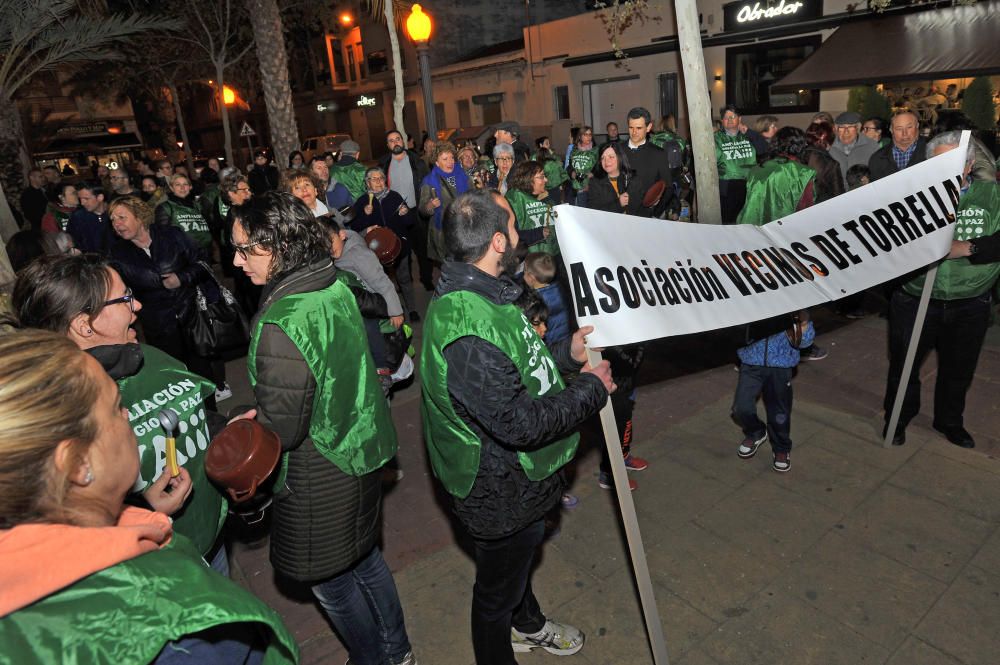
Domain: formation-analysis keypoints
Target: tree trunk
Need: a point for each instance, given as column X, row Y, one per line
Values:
column 168, row 114
column 227, row 132
column 14, row 163
column 6, row 272
column 273, row 59
column 397, row 71
column 175, row 99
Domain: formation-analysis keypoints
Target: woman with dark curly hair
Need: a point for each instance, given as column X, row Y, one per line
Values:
column 781, row 185
column 614, row 187
column 829, row 179
column 316, row 386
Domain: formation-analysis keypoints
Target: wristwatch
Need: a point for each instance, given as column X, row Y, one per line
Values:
column 972, row 248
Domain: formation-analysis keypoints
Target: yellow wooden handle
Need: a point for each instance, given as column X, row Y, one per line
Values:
column 175, row 470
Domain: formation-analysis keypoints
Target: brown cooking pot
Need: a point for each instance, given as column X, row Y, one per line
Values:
column 241, row 457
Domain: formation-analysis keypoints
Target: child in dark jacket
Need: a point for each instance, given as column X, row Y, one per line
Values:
column 767, row 364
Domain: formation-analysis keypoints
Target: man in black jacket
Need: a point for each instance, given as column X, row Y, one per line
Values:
column 906, row 149
column 499, row 423
column 405, row 171
column 648, row 161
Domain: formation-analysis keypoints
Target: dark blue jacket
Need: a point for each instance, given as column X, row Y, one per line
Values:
column 171, row 251
column 91, row 233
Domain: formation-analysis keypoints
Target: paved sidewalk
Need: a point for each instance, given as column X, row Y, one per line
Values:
column 857, row 555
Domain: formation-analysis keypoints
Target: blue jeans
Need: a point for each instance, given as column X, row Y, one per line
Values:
column 228, row 644
column 363, row 605
column 776, row 385
column 220, row 560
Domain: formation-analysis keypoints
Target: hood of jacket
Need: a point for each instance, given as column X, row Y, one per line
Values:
column 312, row 277
column 457, row 276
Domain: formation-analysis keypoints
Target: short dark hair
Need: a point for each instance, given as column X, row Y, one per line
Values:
column 391, row 132
column 95, row 187
column 283, row 225
column 540, row 140
column 52, row 291
column 820, row 134
column 541, row 266
column 640, row 112
column 534, row 308
column 731, row 108
column 209, row 176
column 855, row 175
column 611, row 123
column 291, row 157
column 470, row 222
column 522, row 175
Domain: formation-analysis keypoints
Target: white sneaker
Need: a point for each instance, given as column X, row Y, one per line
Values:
column 557, row 638
column 223, row 393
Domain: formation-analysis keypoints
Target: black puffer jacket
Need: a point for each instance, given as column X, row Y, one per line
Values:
column 487, row 393
column 324, row 520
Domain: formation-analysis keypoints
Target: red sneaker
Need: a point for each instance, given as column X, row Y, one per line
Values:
column 633, row 463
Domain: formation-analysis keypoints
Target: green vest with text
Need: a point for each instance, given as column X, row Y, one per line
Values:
column 453, row 446
column 191, row 221
column 583, row 162
column 531, row 213
column 978, row 216
column 659, row 139
column 164, row 383
column 126, row 614
column 351, row 176
column 351, row 425
column 734, row 155
column 774, row 190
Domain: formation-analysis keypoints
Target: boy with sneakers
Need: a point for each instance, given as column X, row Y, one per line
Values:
column 766, row 369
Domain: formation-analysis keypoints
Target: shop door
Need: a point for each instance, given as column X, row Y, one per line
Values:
column 492, row 113
column 609, row 101
column 376, row 132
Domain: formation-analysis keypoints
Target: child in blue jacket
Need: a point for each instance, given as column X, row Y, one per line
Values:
column 766, row 369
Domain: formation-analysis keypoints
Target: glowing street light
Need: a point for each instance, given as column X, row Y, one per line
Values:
column 228, row 95
column 346, row 19
column 419, row 27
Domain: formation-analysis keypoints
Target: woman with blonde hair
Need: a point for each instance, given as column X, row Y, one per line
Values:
column 440, row 187
column 180, row 209
column 161, row 266
column 303, row 186
column 84, row 578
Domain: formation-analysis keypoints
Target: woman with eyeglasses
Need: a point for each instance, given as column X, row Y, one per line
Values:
column 874, row 128
column 87, row 578
column 316, row 387
column 83, row 298
column 527, row 198
column 162, row 267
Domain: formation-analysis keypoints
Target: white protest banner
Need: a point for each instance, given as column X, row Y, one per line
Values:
column 635, row 279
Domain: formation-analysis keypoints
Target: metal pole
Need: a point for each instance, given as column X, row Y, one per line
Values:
column 425, row 83
column 654, row 627
column 911, row 353
column 706, row 173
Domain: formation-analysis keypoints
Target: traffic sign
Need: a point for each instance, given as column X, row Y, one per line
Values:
column 247, row 130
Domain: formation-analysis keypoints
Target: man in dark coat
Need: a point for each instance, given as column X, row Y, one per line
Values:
column 499, row 423
column 906, row 149
column 648, row 161
column 34, row 200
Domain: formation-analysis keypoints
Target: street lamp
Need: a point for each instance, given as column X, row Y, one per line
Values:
column 419, row 27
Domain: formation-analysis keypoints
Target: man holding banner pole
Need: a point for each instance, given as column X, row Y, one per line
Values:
column 958, row 312
column 500, row 423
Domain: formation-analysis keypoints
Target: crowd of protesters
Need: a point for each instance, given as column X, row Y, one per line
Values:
column 321, row 258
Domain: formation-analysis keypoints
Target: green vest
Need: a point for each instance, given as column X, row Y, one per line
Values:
column 191, row 221
column 978, row 216
column 774, row 190
column 659, row 139
column 734, row 155
column 351, row 425
column 351, row 176
column 583, row 162
column 555, row 174
column 60, row 215
column 453, row 447
column 164, row 383
column 531, row 214
column 127, row 613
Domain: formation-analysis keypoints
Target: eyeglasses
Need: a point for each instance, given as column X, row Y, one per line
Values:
column 869, row 129
column 242, row 249
column 243, row 189
column 127, row 298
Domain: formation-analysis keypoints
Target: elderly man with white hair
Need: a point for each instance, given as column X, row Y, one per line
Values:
column 959, row 311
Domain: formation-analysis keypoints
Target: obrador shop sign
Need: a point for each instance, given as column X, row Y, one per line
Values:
column 635, row 279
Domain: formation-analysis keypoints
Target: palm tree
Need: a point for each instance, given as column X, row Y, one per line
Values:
column 45, row 35
column 392, row 13
column 273, row 61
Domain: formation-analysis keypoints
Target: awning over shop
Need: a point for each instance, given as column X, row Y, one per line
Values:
column 932, row 44
column 100, row 143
